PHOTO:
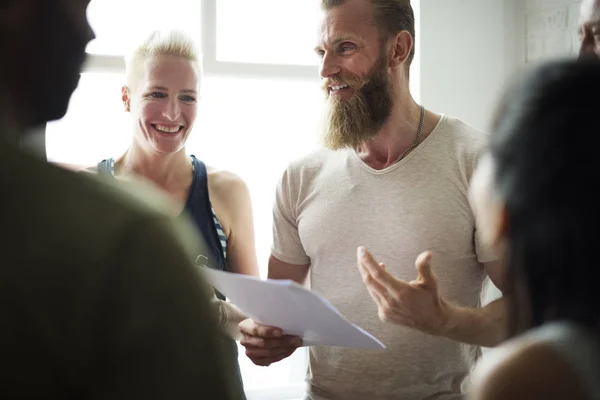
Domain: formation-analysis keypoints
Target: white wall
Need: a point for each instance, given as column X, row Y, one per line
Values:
column 467, row 48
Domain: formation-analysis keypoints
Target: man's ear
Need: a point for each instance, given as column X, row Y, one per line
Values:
column 401, row 46
column 126, row 98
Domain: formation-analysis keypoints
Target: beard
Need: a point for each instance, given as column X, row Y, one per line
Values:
column 348, row 123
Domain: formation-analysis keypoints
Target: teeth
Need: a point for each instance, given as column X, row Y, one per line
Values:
column 167, row 129
column 339, row 87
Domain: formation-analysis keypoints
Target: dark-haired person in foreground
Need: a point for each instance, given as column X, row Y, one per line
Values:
column 537, row 193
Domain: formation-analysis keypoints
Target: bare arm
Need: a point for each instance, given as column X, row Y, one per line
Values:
column 485, row 326
column 231, row 200
column 418, row 304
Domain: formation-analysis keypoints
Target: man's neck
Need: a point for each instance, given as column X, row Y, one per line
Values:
column 396, row 135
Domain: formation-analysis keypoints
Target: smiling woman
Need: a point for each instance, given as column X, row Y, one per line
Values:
column 163, row 78
column 161, row 91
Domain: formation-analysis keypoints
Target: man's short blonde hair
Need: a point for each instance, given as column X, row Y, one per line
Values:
column 162, row 43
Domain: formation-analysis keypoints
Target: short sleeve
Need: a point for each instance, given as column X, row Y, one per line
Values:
column 287, row 245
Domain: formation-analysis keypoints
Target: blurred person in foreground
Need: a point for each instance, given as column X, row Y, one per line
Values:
column 98, row 294
column 537, row 194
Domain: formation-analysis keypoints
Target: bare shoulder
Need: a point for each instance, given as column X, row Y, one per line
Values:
column 224, row 184
column 531, row 371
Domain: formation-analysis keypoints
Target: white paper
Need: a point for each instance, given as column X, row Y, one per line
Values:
column 291, row 307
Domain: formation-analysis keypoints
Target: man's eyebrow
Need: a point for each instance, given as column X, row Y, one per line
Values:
column 338, row 40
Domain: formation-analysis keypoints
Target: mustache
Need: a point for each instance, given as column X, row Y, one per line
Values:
column 354, row 82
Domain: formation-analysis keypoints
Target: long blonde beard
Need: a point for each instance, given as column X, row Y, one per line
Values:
column 348, row 123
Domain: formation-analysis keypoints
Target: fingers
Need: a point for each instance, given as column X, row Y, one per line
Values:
column 266, row 344
column 375, row 289
column 375, row 275
column 266, row 361
column 425, row 276
column 287, row 341
column 369, row 268
column 251, row 328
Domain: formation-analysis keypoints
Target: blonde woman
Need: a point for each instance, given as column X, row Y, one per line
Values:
column 161, row 94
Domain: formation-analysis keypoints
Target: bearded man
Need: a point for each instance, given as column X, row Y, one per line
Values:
column 393, row 179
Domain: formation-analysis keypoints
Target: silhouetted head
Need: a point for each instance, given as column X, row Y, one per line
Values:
column 537, row 192
column 43, row 48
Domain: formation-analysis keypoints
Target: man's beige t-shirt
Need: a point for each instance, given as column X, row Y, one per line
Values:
column 330, row 203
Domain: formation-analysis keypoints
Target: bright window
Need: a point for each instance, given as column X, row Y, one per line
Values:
column 120, row 24
column 267, row 31
column 252, row 126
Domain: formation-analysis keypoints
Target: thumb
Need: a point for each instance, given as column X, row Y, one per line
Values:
column 425, row 274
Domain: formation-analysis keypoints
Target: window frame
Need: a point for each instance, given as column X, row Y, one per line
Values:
column 105, row 63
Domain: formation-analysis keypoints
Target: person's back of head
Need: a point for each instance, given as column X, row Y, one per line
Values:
column 547, row 176
column 44, row 46
column 536, row 195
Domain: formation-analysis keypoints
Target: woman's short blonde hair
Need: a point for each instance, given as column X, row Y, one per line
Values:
column 162, row 43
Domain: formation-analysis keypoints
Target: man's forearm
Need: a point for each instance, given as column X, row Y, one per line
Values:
column 484, row 326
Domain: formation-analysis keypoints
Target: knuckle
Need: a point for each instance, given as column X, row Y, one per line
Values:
column 377, row 274
column 383, row 316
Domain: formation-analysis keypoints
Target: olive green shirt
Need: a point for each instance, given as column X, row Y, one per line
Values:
column 99, row 297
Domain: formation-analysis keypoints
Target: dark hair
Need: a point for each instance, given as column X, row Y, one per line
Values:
column 547, row 173
column 391, row 17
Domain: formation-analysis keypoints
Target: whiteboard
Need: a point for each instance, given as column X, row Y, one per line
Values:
column 551, row 32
